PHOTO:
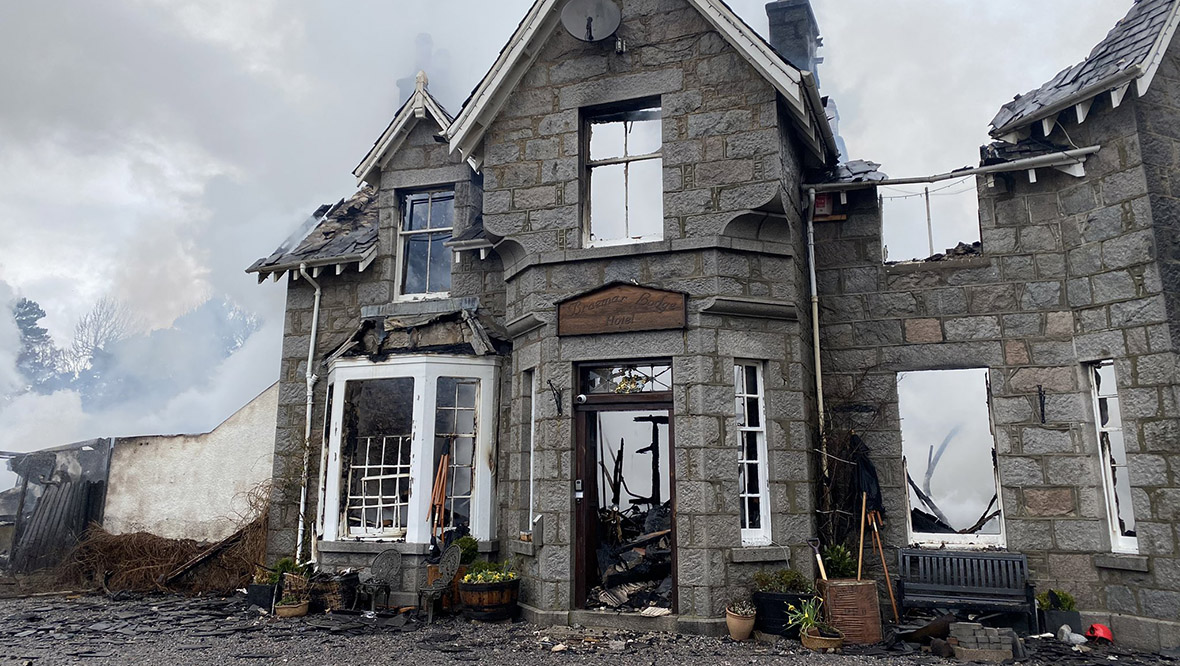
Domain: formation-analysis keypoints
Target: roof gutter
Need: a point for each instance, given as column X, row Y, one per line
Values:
column 811, row 91
column 1109, row 83
column 1062, row 158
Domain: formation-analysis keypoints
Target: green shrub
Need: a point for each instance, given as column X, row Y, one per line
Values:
column 783, row 581
column 469, row 548
column 839, row 562
column 1065, row 601
column 483, row 567
column 282, row 566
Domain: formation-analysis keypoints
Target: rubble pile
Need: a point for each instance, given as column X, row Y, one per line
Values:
column 634, row 559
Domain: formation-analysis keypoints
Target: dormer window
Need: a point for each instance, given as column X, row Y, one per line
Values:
column 424, row 262
column 624, row 170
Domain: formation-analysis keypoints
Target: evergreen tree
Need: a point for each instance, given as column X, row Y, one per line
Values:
column 37, row 360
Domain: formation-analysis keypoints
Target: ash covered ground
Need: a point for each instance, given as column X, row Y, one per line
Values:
column 179, row 631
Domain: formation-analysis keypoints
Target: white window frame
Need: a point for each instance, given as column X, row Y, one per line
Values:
column 626, row 161
column 959, row 541
column 425, row 371
column 752, row 536
column 402, row 234
column 532, row 430
column 1119, row 543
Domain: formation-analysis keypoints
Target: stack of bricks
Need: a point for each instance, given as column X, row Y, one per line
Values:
column 975, row 642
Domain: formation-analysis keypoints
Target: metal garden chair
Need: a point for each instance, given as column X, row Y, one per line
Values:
column 384, row 573
column 448, row 566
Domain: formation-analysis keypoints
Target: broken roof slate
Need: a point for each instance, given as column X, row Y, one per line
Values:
column 999, row 152
column 345, row 233
column 1128, row 44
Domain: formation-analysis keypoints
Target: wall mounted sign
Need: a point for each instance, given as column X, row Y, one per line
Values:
column 620, row 308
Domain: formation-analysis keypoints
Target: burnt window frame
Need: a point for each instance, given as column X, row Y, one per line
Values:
column 594, row 115
column 1119, row 541
column 425, row 371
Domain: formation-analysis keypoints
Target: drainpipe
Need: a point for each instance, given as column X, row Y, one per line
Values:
column 819, row 378
column 311, row 379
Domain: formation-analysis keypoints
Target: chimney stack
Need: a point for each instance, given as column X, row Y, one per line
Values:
column 794, row 33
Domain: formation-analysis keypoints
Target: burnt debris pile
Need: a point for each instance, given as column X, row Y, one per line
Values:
column 634, row 559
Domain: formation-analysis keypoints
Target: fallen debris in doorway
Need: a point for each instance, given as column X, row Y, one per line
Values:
column 635, row 559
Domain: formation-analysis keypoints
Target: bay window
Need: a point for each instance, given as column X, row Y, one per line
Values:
column 409, row 448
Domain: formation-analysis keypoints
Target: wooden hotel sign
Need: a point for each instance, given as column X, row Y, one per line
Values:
column 620, row 308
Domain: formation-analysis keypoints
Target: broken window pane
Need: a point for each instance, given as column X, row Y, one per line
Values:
column 627, row 379
column 426, row 262
column 949, row 453
column 454, row 446
column 752, row 472
column 634, row 457
column 1113, row 448
column 378, row 423
column 625, row 170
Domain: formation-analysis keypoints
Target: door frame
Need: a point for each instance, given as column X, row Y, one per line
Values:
column 586, row 468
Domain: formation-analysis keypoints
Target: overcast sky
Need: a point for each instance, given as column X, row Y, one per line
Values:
column 150, row 150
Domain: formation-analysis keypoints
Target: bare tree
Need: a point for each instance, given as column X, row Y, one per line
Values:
column 108, row 322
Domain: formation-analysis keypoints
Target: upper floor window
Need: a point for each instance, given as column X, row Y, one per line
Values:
column 1116, row 480
column 425, row 264
column 624, row 170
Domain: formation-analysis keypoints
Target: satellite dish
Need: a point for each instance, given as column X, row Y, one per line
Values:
column 591, row 20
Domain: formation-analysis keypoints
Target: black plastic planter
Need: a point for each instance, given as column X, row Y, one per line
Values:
column 1051, row 620
column 772, row 612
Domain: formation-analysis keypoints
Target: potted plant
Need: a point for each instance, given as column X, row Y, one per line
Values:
column 851, row 603
column 739, row 618
column 261, row 591
column 774, row 591
column 292, row 606
column 1056, row 608
column 489, row 591
column 814, row 633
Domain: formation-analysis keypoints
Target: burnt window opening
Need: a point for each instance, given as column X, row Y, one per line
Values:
column 949, row 457
column 427, row 223
column 378, row 421
column 938, row 222
column 624, row 175
column 1112, row 448
column 406, row 458
column 750, row 417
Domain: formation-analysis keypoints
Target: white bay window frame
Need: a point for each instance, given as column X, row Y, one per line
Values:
column 425, row 371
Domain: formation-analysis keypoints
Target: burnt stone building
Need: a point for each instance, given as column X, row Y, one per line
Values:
column 576, row 320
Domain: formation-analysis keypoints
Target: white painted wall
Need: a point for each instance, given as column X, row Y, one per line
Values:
column 192, row 486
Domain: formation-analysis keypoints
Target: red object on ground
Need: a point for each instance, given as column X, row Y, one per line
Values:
column 1100, row 632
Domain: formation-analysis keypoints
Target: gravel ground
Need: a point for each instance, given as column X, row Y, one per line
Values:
column 175, row 631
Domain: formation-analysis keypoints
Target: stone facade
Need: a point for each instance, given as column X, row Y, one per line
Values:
column 1073, row 270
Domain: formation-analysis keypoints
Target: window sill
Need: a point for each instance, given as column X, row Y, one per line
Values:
column 1122, row 562
column 760, row 554
column 374, row 547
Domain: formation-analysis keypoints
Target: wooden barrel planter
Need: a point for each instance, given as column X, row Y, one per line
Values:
column 490, row 601
column 851, row 606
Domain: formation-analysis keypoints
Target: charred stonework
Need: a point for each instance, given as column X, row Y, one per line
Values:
column 1072, row 271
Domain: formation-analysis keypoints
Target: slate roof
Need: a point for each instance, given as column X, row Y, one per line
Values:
column 346, row 233
column 1128, row 44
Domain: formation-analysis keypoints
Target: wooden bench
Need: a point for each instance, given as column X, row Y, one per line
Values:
column 969, row 581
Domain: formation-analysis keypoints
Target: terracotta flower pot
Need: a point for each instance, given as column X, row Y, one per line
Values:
column 812, row 640
column 740, row 626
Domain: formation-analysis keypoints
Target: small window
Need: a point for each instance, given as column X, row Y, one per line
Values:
column 454, row 443
column 753, row 494
column 427, row 221
column 949, row 457
column 624, row 169
column 1116, row 480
